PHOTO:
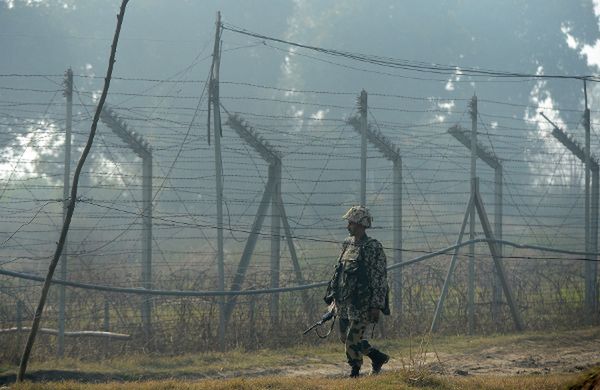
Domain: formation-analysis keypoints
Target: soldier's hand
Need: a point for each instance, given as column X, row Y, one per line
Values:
column 373, row 315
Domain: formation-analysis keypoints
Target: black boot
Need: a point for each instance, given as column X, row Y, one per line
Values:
column 378, row 359
column 355, row 371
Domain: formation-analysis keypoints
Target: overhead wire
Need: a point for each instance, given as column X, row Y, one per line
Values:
column 417, row 66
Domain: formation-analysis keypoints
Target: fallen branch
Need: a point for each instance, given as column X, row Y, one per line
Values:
column 79, row 333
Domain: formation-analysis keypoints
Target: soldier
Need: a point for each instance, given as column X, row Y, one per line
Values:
column 359, row 290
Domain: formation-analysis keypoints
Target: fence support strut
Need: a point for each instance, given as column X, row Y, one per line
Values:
column 475, row 206
column 271, row 194
column 142, row 149
column 591, row 237
column 493, row 162
column 391, row 153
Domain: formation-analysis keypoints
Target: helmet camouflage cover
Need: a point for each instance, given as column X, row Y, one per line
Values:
column 360, row 215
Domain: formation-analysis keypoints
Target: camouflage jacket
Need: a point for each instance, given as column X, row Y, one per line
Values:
column 361, row 278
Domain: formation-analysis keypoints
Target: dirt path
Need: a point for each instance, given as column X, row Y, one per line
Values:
column 521, row 355
column 539, row 355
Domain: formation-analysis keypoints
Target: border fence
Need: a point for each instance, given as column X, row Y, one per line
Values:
column 225, row 238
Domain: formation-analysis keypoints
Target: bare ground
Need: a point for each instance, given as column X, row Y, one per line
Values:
column 564, row 352
column 557, row 352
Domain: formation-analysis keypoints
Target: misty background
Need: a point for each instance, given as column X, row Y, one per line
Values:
column 300, row 101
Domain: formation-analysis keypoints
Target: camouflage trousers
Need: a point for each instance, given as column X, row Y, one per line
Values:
column 351, row 334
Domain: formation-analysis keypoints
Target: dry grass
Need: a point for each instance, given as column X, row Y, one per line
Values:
column 549, row 294
column 417, row 363
column 589, row 380
column 387, row 381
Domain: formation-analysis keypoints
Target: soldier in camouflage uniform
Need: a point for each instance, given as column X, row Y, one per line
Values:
column 360, row 290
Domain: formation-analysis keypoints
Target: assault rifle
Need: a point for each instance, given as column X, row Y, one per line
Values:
column 330, row 314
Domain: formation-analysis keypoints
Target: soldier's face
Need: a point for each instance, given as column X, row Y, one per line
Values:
column 354, row 228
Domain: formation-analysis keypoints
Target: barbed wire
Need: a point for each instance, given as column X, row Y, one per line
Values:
column 142, row 291
column 431, row 195
column 416, row 66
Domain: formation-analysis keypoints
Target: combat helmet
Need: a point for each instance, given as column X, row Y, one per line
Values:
column 360, row 215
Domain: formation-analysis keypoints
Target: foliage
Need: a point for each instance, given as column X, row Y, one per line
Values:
column 549, row 297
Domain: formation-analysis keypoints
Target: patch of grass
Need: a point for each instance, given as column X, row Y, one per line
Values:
column 208, row 364
column 315, row 364
column 465, row 343
column 589, row 380
column 388, row 381
column 533, row 382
